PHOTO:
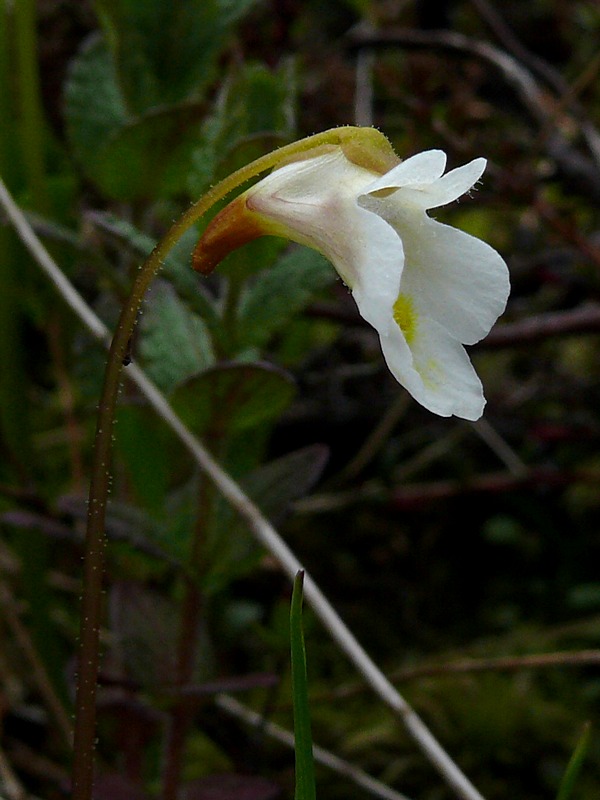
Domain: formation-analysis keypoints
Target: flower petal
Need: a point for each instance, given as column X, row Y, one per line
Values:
column 455, row 183
column 378, row 262
column 456, row 279
column 421, row 169
column 313, row 202
column 437, row 191
column 436, row 371
column 450, row 275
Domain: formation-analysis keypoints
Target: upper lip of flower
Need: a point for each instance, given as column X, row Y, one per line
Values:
column 422, row 182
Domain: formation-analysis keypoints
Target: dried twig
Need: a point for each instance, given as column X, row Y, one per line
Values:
column 545, row 71
column 468, row 666
column 418, row 494
column 584, row 319
column 10, row 782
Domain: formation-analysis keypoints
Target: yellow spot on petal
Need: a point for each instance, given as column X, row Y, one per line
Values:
column 406, row 317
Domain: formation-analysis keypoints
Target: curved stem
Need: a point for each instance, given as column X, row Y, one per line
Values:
column 91, row 608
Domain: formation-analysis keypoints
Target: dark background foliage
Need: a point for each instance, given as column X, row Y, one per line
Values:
column 464, row 556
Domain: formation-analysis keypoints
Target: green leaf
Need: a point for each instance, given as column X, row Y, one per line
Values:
column 232, row 397
column 259, row 101
column 281, row 293
column 167, row 52
column 253, row 114
column 273, row 487
column 94, row 105
column 305, row 768
column 134, row 99
column 142, row 443
column 174, row 342
column 128, row 157
column 149, row 156
column 176, row 267
column 571, row 775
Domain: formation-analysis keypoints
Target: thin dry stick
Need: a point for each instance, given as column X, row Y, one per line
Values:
column 537, row 328
column 12, row 786
column 498, row 445
column 468, row 666
column 261, row 527
column 378, row 789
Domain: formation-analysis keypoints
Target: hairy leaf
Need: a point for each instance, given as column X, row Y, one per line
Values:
column 167, row 52
column 232, row 397
column 254, row 113
column 281, row 292
column 94, row 105
column 174, row 342
column 150, row 155
column 273, row 487
column 176, row 267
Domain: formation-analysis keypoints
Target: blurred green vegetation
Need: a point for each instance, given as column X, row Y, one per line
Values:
column 437, row 540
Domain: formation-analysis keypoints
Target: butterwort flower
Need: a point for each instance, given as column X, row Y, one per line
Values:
column 427, row 288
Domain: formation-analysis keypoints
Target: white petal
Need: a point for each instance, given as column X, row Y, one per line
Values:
column 421, row 169
column 311, row 182
column 313, row 202
column 455, row 183
column 436, row 371
column 453, row 277
column 377, row 265
column 436, row 190
column 456, row 279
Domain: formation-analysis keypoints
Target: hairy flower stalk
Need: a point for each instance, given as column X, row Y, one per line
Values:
column 427, row 288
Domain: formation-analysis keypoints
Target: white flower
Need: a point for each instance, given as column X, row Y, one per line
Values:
column 427, row 288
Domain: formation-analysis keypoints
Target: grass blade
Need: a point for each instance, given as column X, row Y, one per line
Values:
column 305, row 768
column 574, row 766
